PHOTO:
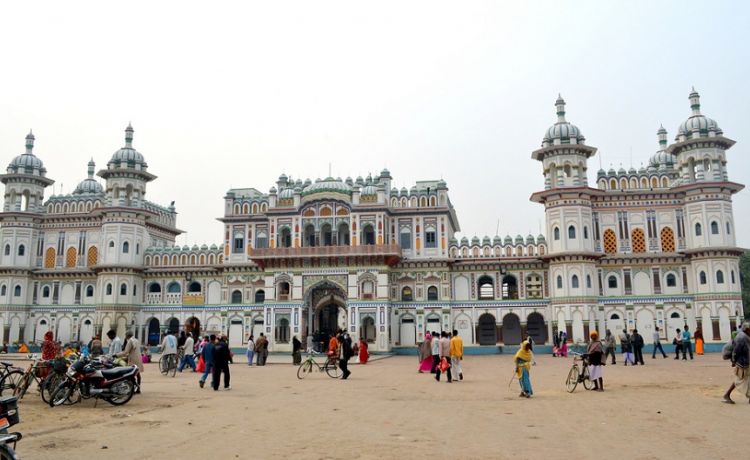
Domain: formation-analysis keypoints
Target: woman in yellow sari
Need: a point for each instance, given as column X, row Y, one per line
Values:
column 698, row 341
column 523, row 360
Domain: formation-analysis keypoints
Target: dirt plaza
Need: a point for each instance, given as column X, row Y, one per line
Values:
column 666, row 409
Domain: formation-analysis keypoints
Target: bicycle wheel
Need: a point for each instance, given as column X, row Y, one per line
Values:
column 586, row 377
column 23, row 385
column 333, row 370
column 10, row 382
column 49, row 384
column 173, row 365
column 304, row 369
column 572, row 382
column 164, row 364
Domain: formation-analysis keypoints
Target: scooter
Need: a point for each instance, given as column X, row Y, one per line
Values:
column 88, row 378
column 8, row 418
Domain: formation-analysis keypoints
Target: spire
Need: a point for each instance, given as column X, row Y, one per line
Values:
column 30, row 143
column 662, row 134
column 129, row 136
column 92, row 165
column 695, row 102
column 560, row 104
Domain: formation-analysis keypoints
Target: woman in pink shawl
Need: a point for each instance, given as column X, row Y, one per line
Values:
column 425, row 354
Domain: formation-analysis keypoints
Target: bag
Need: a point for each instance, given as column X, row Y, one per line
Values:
column 727, row 350
column 201, row 367
column 444, row 364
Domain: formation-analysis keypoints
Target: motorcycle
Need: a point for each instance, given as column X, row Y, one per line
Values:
column 8, row 418
column 87, row 378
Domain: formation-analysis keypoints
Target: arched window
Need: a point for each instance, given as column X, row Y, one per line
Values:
column 7, row 249
column 486, row 288
column 111, row 244
column 612, row 282
column 284, row 290
column 137, row 248
column 45, row 291
column 125, row 247
column 109, row 289
column 89, row 291
column 510, row 287
column 729, row 228
column 368, row 289
column 730, row 273
column 260, row 296
column 123, row 289
column 405, row 238
column 714, row 228
column 702, row 277
column 17, row 291
column 406, row 294
column 574, row 282
column 21, row 250
column 719, row 277
column 154, row 288
column 588, row 281
column 174, row 288
column 432, row 293
column 556, row 233
column 610, row 241
column 368, row 235
column 571, row 232
column 282, row 330
column 4, row 290
column 559, row 282
column 585, row 232
column 671, row 280
column 194, row 287
column 698, row 229
column 236, row 296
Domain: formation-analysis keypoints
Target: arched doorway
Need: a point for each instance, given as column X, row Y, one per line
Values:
column 326, row 312
column 367, row 331
column 193, row 326
column 87, row 331
column 173, row 326
column 511, row 329
column 41, row 328
column 486, row 331
column 408, row 332
column 153, row 332
column 536, row 329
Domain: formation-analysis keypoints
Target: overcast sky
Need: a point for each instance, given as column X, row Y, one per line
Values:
column 233, row 94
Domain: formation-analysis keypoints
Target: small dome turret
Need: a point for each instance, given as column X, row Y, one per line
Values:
column 128, row 156
column 562, row 132
column 89, row 185
column 27, row 162
column 697, row 125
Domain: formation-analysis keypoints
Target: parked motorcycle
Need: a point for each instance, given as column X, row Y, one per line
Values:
column 8, row 418
column 87, row 378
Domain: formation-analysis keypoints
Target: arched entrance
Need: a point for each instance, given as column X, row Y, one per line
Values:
column 367, row 331
column 193, row 326
column 153, row 332
column 173, row 326
column 536, row 329
column 326, row 312
column 486, row 331
column 511, row 329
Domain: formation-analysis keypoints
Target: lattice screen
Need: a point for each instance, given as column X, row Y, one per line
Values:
column 638, row 240
column 93, row 256
column 610, row 242
column 49, row 258
column 70, row 257
column 667, row 239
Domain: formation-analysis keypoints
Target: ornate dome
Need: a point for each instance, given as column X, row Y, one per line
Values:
column 329, row 184
column 369, row 190
column 89, row 185
column 27, row 162
column 286, row 193
column 562, row 132
column 128, row 155
column 698, row 125
column 662, row 159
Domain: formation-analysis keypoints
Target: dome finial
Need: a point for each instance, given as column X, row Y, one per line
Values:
column 695, row 102
column 92, row 166
column 560, row 105
column 29, row 142
column 129, row 136
column 662, row 135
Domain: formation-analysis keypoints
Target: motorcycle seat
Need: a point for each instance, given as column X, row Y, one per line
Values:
column 116, row 372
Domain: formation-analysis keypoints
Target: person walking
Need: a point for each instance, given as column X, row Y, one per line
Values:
column 222, row 358
column 677, row 342
column 523, row 359
column 457, row 354
column 346, row 353
column 445, row 354
column 188, row 355
column 115, row 343
column 426, row 362
column 610, row 343
column 657, row 344
column 208, row 359
column 435, row 351
column 264, row 349
column 698, row 341
column 686, row 345
column 296, row 351
column 364, row 352
column 626, row 346
column 594, row 353
column 638, row 343
column 741, row 364
column 250, row 350
column 132, row 354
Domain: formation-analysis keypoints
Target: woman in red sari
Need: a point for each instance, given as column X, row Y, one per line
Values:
column 364, row 355
column 425, row 354
column 50, row 348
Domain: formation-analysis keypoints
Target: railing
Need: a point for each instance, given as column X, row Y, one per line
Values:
column 153, row 298
column 325, row 251
column 174, row 298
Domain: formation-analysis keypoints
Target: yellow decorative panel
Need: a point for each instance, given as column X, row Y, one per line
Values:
column 638, row 240
column 70, row 257
column 610, row 241
column 49, row 258
column 667, row 239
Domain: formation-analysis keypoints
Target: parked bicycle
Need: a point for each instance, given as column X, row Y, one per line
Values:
column 41, row 372
column 330, row 367
column 168, row 364
column 579, row 374
column 10, row 375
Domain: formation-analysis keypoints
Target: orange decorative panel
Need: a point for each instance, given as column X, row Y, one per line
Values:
column 49, row 258
column 92, row 257
column 638, row 240
column 667, row 239
column 610, row 241
column 70, row 257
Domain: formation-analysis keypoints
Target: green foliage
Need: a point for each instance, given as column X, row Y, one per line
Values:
column 745, row 280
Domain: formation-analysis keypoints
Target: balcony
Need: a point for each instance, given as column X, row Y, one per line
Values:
column 390, row 252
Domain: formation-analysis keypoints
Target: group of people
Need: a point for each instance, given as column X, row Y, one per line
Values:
column 340, row 349
column 258, row 349
column 214, row 359
column 442, row 353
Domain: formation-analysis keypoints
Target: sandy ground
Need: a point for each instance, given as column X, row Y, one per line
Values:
column 666, row 409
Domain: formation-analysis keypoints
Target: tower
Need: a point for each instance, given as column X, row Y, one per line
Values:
column 567, row 200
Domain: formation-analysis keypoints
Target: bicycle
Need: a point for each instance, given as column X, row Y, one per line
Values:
column 577, row 375
column 41, row 372
column 330, row 367
column 168, row 364
column 10, row 375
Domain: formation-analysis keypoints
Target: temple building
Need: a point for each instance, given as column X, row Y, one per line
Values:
column 636, row 248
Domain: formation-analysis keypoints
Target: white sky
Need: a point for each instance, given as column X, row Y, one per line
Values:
column 232, row 94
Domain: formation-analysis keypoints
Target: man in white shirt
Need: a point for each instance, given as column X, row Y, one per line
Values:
column 435, row 351
column 169, row 344
column 189, row 357
column 115, row 345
